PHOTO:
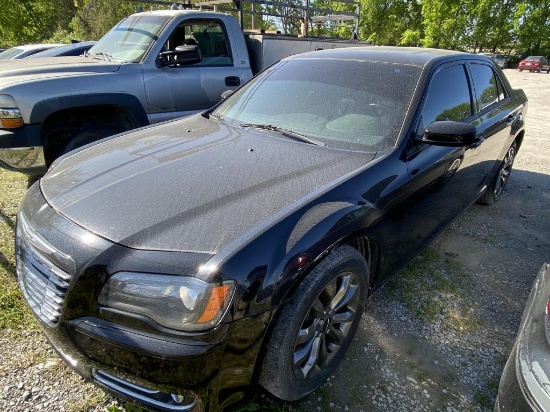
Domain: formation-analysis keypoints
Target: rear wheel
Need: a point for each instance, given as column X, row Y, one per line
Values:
column 316, row 326
column 493, row 192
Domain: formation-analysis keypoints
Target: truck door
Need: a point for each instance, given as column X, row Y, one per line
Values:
column 174, row 91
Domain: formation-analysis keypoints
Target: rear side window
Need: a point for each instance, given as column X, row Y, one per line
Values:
column 487, row 86
column 448, row 97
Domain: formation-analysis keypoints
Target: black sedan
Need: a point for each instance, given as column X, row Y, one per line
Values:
column 179, row 264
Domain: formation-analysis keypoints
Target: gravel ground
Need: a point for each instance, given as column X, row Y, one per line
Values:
column 435, row 338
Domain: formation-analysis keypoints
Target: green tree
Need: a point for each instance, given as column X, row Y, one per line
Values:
column 391, row 22
column 446, row 23
column 93, row 18
column 32, row 21
column 532, row 26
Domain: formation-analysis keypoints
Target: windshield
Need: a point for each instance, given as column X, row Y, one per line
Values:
column 539, row 58
column 345, row 104
column 129, row 40
column 10, row 53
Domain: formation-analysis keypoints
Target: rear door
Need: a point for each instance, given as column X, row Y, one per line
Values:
column 495, row 116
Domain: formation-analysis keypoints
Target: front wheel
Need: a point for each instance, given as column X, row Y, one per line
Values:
column 88, row 134
column 316, row 325
column 495, row 189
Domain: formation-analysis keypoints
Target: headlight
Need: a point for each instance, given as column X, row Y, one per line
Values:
column 10, row 117
column 177, row 302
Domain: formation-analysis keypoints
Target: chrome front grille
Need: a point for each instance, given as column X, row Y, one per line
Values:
column 43, row 282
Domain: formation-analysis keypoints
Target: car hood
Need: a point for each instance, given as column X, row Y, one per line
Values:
column 191, row 185
column 14, row 70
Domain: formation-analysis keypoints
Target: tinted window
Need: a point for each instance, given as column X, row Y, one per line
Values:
column 448, row 97
column 10, row 53
column 487, row 86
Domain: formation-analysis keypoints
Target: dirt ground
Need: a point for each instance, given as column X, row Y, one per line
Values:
column 445, row 350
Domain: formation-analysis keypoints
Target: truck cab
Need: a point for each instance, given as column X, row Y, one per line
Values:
column 151, row 67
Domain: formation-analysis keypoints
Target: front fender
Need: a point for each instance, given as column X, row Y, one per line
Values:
column 47, row 107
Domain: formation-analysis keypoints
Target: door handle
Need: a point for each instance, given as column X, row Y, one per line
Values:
column 510, row 118
column 232, row 81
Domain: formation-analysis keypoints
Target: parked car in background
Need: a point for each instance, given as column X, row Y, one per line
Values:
column 25, row 50
column 178, row 265
column 73, row 49
column 498, row 59
column 525, row 381
column 535, row 64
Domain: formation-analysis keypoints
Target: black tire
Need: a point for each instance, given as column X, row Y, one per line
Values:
column 31, row 180
column 316, row 325
column 88, row 134
column 495, row 189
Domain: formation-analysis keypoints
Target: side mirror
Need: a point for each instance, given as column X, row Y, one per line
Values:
column 449, row 133
column 181, row 56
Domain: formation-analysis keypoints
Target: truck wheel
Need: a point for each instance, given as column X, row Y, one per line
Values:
column 88, row 134
column 316, row 325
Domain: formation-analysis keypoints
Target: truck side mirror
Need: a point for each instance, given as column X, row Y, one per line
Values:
column 180, row 56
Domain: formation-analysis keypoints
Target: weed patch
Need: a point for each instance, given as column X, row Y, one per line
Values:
column 432, row 288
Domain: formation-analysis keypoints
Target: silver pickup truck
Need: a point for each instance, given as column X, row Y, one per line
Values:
column 151, row 67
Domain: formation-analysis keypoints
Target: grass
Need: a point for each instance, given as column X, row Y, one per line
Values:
column 14, row 313
column 431, row 288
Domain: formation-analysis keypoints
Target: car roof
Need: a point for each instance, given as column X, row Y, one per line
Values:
column 60, row 50
column 398, row 55
column 28, row 47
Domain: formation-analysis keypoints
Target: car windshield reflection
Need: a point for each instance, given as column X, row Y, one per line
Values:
column 363, row 111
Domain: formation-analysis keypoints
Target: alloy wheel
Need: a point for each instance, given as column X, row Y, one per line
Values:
column 505, row 169
column 326, row 325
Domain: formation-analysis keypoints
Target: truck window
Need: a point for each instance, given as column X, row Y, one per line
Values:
column 209, row 36
column 130, row 39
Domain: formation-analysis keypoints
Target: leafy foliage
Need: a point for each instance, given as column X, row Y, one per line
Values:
column 505, row 26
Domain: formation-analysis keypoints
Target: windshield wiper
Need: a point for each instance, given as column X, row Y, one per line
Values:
column 287, row 133
column 214, row 117
column 102, row 56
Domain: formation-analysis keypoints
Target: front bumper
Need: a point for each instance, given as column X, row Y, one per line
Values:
column 21, row 150
column 173, row 375
column 62, row 268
